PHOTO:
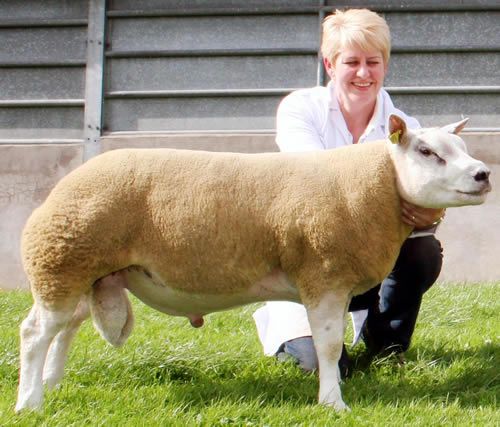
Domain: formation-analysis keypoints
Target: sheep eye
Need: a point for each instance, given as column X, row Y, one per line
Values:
column 425, row 151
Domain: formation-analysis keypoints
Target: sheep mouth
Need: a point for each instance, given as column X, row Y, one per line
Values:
column 476, row 193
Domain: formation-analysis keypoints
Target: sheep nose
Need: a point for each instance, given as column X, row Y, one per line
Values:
column 482, row 175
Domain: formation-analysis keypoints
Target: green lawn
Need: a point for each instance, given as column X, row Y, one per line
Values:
column 169, row 373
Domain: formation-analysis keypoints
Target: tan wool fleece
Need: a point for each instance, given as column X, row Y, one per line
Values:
column 218, row 222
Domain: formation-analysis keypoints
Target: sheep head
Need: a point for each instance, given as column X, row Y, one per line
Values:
column 433, row 167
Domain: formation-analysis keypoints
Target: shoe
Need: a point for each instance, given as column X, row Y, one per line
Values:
column 378, row 349
column 373, row 348
column 344, row 364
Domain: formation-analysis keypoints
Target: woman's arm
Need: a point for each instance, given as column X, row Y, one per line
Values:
column 297, row 125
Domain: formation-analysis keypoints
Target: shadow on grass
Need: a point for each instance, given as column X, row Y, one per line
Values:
column 469, row 377
column 465, row 376
column 201, row 381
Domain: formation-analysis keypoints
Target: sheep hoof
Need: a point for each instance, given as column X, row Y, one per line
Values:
column 28, row 404
column 338, row 406
column 52, row 383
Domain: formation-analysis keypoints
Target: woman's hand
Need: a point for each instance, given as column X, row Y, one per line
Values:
column 420, row 218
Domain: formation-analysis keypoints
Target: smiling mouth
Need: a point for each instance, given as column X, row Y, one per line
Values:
column 362, row 84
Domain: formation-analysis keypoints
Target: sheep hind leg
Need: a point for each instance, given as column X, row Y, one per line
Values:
column 53, row 370
column 37, row 332
column 110, row 308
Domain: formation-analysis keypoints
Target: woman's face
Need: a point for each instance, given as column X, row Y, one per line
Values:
column 358, row 75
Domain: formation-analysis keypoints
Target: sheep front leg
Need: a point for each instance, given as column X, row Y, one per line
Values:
column 327, row 320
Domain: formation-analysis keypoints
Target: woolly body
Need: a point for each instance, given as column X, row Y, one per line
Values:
column 203, row 224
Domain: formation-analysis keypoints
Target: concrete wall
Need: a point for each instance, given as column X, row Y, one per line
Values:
column 470, row 235
column 28, row 174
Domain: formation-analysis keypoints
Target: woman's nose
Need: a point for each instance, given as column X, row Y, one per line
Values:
column 362, row 71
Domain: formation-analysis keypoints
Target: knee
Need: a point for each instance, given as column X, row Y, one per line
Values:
column 303, row 352
column 421, row 258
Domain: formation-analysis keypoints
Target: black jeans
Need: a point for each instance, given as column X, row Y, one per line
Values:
column 394, row 304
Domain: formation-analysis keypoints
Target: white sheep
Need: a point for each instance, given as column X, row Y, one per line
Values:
column 190, row 233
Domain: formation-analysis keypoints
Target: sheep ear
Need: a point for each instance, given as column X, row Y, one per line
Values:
column 457, row 127
column 397, row 129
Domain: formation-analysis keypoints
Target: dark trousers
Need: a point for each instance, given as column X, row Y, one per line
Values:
column 394, row 304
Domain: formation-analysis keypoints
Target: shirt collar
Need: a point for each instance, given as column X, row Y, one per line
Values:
column 333, row 102
column 377, row 120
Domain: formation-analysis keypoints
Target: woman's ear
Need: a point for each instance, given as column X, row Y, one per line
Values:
column 328, row 67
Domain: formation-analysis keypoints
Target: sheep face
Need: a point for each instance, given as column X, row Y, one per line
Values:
column 433, row 167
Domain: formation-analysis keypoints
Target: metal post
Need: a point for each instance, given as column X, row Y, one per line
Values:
column 320, row 76
column 94, row 77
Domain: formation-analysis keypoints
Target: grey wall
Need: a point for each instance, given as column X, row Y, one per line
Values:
column 78, row 77
column 42, row 69
column 224, row 65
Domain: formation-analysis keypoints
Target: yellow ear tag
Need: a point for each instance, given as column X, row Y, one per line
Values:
column 394, row 137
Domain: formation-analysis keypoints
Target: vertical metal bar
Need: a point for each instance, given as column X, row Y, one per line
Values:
column 94, row 78
column 320, row 75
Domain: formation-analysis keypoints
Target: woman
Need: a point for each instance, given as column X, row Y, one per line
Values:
column 354, row 109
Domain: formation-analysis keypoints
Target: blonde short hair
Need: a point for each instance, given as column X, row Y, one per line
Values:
column 355, row 28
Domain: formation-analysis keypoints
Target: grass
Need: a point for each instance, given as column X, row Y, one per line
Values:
column 169, row 374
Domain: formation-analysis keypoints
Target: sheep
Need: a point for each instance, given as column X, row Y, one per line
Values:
column 190, row 233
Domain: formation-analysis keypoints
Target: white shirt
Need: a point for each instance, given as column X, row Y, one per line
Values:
column 309, row 120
